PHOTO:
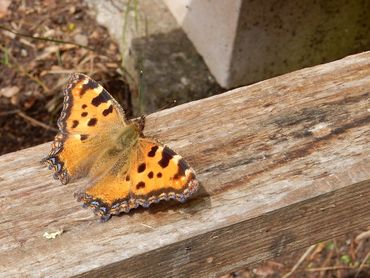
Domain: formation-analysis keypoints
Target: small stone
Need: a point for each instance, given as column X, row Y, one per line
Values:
column 81, row 39
column 9, row 92
column 24, row 52
column 52, row 235
column 185, row 81
column 210, row 260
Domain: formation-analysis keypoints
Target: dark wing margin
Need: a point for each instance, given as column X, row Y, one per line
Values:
column 52, row 160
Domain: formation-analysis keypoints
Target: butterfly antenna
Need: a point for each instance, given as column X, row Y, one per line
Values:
column 141, row 91
column 172, row 104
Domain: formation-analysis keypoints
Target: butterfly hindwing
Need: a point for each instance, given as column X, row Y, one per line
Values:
column 159, row 172
column 156, row 173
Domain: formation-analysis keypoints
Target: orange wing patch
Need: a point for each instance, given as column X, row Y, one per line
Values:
column 88, row 109
column 156, row 173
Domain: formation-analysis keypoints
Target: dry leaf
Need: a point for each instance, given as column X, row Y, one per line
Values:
column 9, row 92
column 268, row 268
column 81, row 39
column 47, row 52
column 363, row 236
column 52, row 235
column 4, row 5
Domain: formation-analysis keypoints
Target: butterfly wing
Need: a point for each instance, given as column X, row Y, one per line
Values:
column 155, row 173
column 89, row 117
column 159, row 174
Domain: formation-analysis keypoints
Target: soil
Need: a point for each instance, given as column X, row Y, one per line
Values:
column 33, row 71
column 32, row 75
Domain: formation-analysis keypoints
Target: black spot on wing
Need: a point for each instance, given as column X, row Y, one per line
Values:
column 103, row 97
column 107, row 111
column 140, row 185
column 90, row 85
column 150, row 175
column 182, row 167
column 127, row 178
column 152, row 152
column 167, row 155
column 141, row 168
column 75, row 124
column 92, row 122
column 84, row 114
column 84, row 106
column 83, row 137
column 159, row 175
column 83, row 90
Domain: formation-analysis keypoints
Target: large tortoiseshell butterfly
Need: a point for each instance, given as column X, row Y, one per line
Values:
column 124, row 169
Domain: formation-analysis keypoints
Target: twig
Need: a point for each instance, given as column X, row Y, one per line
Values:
column 362, row 264
column 319, row 247
column 326, row 262
column 45, row 39
column 328, row 268
column 337, row 262
column 302, row 258
column 35, row 122
column 362, row 236
column 116, row 6
column 10, row 112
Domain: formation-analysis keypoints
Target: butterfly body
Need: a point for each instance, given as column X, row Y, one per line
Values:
column 128, row 137
column 124, row 169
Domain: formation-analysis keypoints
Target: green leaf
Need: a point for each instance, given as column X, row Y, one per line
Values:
column 5, row 60
column 71, row 27
column 330, row 245
column 346, row 259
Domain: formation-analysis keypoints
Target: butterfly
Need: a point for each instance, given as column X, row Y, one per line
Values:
column 124, row 169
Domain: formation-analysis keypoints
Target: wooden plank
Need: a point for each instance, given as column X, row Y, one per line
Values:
column 283, row 163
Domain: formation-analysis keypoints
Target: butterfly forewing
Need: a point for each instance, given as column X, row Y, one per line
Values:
column 88, row 111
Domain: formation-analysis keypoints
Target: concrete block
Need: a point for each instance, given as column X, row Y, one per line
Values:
column 245, row 41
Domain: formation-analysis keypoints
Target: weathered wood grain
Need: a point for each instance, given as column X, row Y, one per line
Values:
column 283, row 164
